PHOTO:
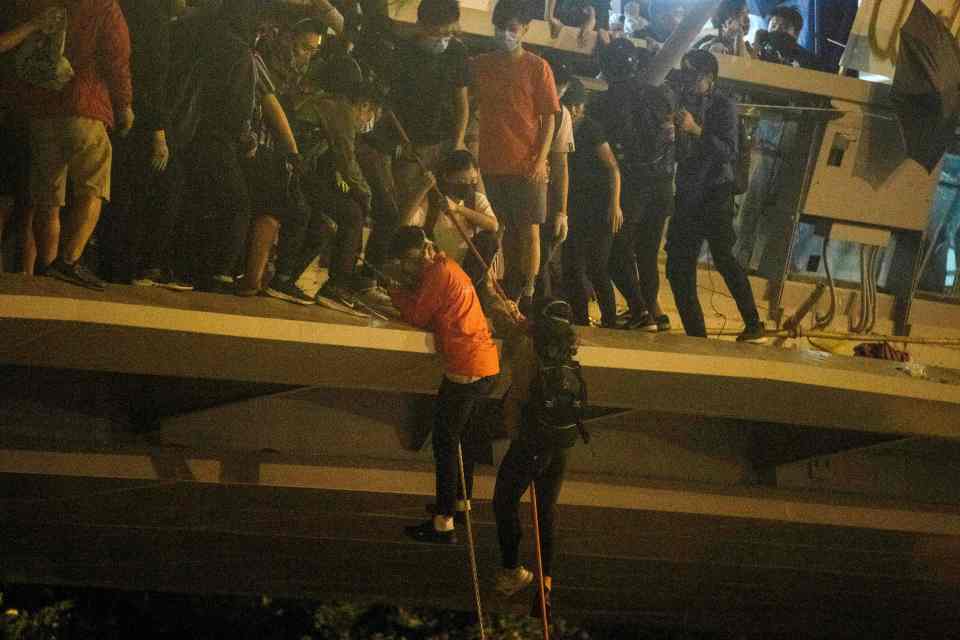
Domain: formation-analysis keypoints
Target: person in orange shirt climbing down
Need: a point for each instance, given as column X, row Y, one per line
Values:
column 432, row 292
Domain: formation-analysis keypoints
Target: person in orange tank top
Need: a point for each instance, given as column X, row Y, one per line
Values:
column 432, row 292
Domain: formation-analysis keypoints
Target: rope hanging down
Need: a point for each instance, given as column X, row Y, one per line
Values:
column 542, row 594
column 473, row 554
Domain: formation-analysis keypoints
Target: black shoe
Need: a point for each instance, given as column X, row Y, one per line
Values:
column 225, row 285
column 663, row 323
column 459, row 517
column 644, row 323
column 341, row 295
column 753, row 333
column 289, row 291
column 75, row 273
column 424, row 532
column 161, row 278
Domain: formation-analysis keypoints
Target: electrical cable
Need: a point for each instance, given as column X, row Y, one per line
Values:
column 821, row 322
column 857, row 327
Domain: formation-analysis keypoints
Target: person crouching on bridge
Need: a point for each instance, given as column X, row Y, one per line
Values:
column 432, row 292
column 550, row 396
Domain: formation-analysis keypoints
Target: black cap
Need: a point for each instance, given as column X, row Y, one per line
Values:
column 576, row 93
column 619, row 60
column 702, row 61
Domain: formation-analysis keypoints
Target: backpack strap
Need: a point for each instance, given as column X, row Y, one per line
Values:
column 584, row 434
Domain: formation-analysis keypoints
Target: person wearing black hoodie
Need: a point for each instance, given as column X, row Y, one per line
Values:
column 239, row 112
column 148, row 181
column 707, row 153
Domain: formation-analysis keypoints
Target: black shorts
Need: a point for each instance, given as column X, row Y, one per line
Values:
column 273, row 190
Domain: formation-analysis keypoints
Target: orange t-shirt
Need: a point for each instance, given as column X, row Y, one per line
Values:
column 512, row 96
column 447, row 304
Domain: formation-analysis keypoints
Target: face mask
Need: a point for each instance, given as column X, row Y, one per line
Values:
column 460, row 190
column 436, row 46
column 506, row 40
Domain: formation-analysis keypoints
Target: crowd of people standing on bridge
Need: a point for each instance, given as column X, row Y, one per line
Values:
column 228, row 148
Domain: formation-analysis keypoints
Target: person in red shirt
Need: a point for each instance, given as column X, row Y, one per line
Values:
column 68, row 135
column 432, row 292
column 516, row 102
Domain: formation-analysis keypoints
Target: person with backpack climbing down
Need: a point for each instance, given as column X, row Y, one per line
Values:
column 707, row 150
column 432, row 292
column 551, row 395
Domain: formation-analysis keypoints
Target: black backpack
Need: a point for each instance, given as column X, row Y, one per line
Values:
column 558, row 399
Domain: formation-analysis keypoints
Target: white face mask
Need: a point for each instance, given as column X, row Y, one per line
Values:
column 506, row 40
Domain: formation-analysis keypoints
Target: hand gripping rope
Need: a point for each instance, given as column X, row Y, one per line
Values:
column 456, row 223
column 517, row 318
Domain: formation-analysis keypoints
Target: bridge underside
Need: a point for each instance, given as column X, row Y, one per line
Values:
column 210, row 444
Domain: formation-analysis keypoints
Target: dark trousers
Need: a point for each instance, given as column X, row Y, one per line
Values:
column 378, row 170
column 634, row 259
column 586, row 260
column 224, row 204
column 709, row 219
column 551, row 266
column 456, row 405
column 143, row 217
column 298, row 246
column 524, row 463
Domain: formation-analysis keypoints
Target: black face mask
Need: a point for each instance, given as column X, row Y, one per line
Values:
column 460, row 190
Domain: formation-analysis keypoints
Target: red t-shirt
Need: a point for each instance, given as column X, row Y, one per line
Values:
column 512, row 96
column 446, row 303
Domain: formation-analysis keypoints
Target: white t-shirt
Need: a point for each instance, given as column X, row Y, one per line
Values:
column 445, row 233
column 563, row 140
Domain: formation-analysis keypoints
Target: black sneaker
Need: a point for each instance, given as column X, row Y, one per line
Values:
column 663, row 323
column 217, row 284
column 76, row 274
column 161, row 278
column 424, row 532
column 645, row 322
column 754, row 334
column 341, row 295
column 289, row 291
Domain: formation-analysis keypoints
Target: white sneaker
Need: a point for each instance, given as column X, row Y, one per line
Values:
column 511, row 581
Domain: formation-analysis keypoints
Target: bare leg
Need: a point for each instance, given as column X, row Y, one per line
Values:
column 529, row 240
column 46, row 229
column 83, row 220
column 263, row 231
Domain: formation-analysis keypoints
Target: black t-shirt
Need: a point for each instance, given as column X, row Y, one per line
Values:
column 422, row 89
column 589, row 179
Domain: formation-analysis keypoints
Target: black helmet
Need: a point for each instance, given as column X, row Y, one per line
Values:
column 619, row 60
